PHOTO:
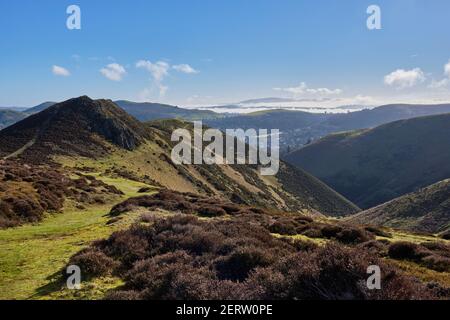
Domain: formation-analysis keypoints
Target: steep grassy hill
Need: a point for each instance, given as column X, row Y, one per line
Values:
column 290, row 187
column 100, row 135
column 371, row 167
column 78, row 126
column 427, row 210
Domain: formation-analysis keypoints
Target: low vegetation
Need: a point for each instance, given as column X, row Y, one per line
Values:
column 433, row 255
column 28, row 191
column 246, row 253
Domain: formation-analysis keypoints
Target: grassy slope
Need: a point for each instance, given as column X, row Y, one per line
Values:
column 374, row 166
column 31, row 255
column 291, row 189
column 426, row 210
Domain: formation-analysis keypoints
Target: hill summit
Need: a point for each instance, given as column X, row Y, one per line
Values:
column 80, row 126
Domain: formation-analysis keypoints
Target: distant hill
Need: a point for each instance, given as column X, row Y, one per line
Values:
column 9, row 117
column 104, row 137
column 299, row 128
column 384, row 114
column 373, row 166
column 427, row 210
column 153, row 111
column 40, row 107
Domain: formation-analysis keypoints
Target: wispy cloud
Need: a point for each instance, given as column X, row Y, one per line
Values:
column 113, row 72
column 60, row 71
column 303, row 90
column 438, row 84
column 159, row 71
column 447, row 69
column 185, row 68
column 402, row 79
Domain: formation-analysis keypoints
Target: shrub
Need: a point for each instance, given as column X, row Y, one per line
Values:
column 405, row 251
column 93, row 263
column 378, row 232
column 438, row 263
column 332, row 272
column 211, row 211
column 145, row 190
column 238, row 264
column 439, row 248
column 183, row 257
column 378, row 247
column 283, row 227
column 331, row 231
column 353, row 236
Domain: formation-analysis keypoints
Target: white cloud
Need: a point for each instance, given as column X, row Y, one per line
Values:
column 113, row 71
column 404, row 78
column 158, row 70
column 361, row 99
column 303, row 90
column 438, row 84
column 447, row 69
column 185, row 68
column 60, row 71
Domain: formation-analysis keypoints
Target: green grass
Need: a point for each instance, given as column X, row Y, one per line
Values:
column 411, row 237
column 422, row 273
column 301, row 237
column 32, row 255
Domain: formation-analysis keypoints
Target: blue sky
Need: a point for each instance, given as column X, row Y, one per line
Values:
column 205, row 52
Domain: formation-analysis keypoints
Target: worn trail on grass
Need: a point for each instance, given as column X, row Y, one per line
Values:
column 31, row 255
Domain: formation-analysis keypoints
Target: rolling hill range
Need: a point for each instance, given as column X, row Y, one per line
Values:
column 299, row 128
column 426, row 210
column 155, row 111
column 373, row 166
column 100, row 135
